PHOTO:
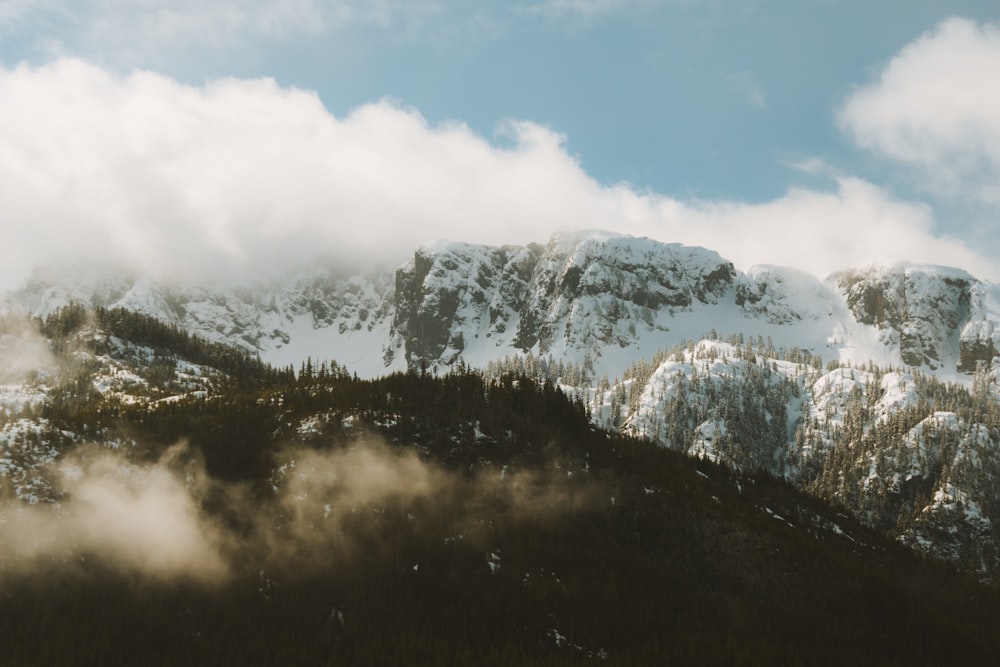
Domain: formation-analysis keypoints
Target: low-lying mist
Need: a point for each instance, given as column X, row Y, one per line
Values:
column 24, row 352
column 139, row 518
column 168, row 519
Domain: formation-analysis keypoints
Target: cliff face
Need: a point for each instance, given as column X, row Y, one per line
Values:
column 922, row 310
column 574, row 297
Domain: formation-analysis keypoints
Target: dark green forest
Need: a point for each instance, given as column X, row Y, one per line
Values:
column 610, row 550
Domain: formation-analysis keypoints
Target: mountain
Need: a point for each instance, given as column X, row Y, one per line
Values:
column 593, row 299
column 874, row 388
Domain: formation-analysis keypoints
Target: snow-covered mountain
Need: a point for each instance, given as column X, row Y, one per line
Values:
column 875, row 387
column 595, row 299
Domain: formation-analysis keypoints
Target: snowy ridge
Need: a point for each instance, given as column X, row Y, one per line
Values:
column 591, row 298
column 310, row 314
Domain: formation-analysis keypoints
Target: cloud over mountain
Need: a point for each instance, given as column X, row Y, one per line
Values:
column 245, row 177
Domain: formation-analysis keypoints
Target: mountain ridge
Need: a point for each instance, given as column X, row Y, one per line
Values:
column 909, row 451
column 593, row 298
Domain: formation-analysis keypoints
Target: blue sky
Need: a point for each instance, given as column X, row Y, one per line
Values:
column 816, row 133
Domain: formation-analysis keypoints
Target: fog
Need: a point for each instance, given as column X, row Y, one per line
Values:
column 169, row 520
column 24, row 352
column 136, row 518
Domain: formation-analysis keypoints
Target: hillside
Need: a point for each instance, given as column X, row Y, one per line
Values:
column 186, row 504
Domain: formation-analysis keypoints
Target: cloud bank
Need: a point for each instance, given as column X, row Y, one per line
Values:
column 246, row 177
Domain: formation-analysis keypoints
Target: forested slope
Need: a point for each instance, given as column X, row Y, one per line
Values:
column 317, row 518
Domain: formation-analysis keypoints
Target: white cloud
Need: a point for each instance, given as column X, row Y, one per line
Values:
column 822, row 232
column 245, row 174
column 810, row 164
column 248, row 177
column 935, row 108
column 151, row 518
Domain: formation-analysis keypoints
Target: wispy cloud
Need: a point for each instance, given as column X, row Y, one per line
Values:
column 810, row 164
column 585, row 8
column 155, row 32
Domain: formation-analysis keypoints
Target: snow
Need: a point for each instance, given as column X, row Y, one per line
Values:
column 715, row 363
column 117, row 378
column 949, row 497
column 774, row 515
column 493, row 561
column 828, row 396
column 784, row 295
column 24, row 454
column 704, row 440
column 899, row 391
column 310, row 426
column 359, row 350
column 15, row 398
column 604, row 318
